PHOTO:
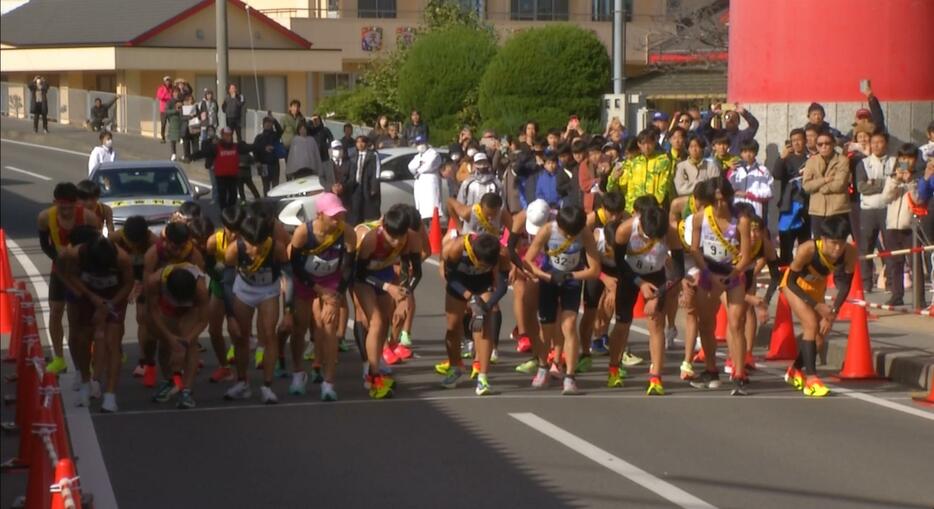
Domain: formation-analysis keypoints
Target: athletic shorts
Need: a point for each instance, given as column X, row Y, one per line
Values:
column 566, row 297
column 627, row 292
column 386, row 275
column 253, row 296
column 593, row 290
column 85, row 311
column 475, row 283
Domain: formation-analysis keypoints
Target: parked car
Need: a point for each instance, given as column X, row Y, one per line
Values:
column 152, row 189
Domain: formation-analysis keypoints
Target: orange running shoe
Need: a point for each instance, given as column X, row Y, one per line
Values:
column 390, row 357
column 222, row 374
column 402, row 352
column 149, row 376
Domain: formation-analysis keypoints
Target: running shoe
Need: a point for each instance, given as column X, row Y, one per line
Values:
column 327, row 392
column 555, row 372
column 57, row 366
column 390, row 357
column 599, row 346
column 570, row 387
column 84, row 395
column 450, row 381
column 258, row 357
column 239, row 390
column 230, row 353
column 177, row 380
column 631, row 360
column 655, row 387
column 185, row 401
column 494, row 356
column 706, row 380
column 405, row 339
column 442, row 368
column 474, row 370
column 379, row 389
column 95, row 389
column 280, row 370
column 528, row 367
column 139, row 370
column 750, row 361
column 388, row 380
column 670, row 334
column 584, row 364
column 344, row 345
column 316, row 377
column 164, row 393
column 483, row 386
column 794, row 377
column 614, row 377
column 402, row 352
column 299, row 382
column 514, row 333
column 523, row 344
column 468, row 350
column 815, row 388
column 540, row 381
column 267, row 396
column 740, row 387
column 310, row 351
column 728, row 366
column 109, row 403
column 687, row 371
column 222, row 374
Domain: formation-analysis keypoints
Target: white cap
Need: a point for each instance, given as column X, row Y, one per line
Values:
column 470, row 152
column 536, row 215
column 336, row 144
column 479, row 156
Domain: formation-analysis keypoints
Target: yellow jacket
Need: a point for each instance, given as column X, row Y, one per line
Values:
column 641, row 175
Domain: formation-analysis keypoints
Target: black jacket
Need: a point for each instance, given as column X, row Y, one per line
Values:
column 99, row 113
column 410, row 132
column 569, row 187
column 233, row 107
column 265, row 140
column 365, row 191
column 323, row 138
column 785, row 170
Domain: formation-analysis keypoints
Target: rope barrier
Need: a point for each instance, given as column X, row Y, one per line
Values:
column 899, row 252
column 872, row 305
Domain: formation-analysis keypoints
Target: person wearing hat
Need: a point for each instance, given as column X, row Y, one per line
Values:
column 660, row 123
column 164, row 95
column 481, row 181
column 336, row 172
column 426, row 167
column 731, row 128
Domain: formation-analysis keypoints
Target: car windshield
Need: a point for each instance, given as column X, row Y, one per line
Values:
column 162, row 181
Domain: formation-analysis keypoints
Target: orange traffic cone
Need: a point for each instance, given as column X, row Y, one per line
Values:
column 40, row 464
column 720, row 332
column 452, row 224
column 6, row 281
column 51, row 396
column 856, row 293
column 66, row 492
column 783, row 346
column 434, row 234
column 638, row 311
column 16, row 333
column 858, row 363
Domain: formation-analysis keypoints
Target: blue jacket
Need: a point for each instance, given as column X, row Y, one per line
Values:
column 925, row 188
column 546, row 188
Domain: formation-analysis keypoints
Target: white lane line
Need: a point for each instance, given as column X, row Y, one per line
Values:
column 862, row 396
column 73, row 152
column 616, row 464
column 94, row 476
column 31, row 174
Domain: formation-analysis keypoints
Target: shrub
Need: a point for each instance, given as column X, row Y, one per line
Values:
column 359, row 106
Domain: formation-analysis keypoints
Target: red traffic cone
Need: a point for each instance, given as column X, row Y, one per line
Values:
column 434, row 234
column 16, row 333
column 925, row 399
column 6, row 281
column 720, row 332
column 638, row 311
column 858, row 363
column 40, row 463
column 783, row 346
column 51, row 396
column 856, row 293
column 66, row 492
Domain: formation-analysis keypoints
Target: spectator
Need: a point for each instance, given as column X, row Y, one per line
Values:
column 684, row 121
column 900, row 190
column 736, row 137
column 722, row 155
column 103, row 153
column 588, row 159
column 546, row 181
column 224, row 157
column 304, row 156
column 529, row 133
column 751, row 181
column 482, row 181
column 415, row 129
column 490, row 144
column 855, row 152
column 615, row 124
column 676, row 139
column 794, row 223
column 389, row 139
column 925, row 194
column 184, row 88
column 209, row 136
column 191, row 126
column 264, row 152
column 927, row 150
column 293, row 119
column 100, row 115
column 660, row 123
column 464, row 140
column 173, row 120
column 650, row 172
column 572, row 130
column 426, row 166
column 517, row 178
column 568, row 180
column 164, row 95
column 810, row 139
column 382, row 127
column 826, row 178
column 552, row 139
column 322, row 136
column 695, row 168
column 816, row 115
column 872, row 173
column 348, row 141
column 336, row 172
column 233, row 106
column 39, row 103
column 207, row 111
column 245, row 176
column 364, row 188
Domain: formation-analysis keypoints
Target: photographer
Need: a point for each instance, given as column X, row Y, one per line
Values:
column 901, row 189
column 39, row 103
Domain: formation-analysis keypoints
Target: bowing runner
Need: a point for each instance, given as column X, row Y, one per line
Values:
column 135, row 238
column 220, row 308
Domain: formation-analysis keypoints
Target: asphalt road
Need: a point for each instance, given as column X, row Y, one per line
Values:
column 430, row 447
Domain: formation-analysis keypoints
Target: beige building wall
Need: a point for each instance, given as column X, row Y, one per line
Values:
column 199, row 31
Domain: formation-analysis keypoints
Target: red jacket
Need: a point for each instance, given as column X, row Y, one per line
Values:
column 587, row 180
column 163, row 94
column 226, row 160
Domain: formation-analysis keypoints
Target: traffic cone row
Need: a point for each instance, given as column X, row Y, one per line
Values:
column 434, row 234
column 6, row 282
column 16, row 331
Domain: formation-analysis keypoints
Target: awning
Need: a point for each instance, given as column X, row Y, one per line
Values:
column 679, row 85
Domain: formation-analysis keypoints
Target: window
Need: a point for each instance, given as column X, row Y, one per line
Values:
column 376, row 8
column 603, row 10
column 141, row 183
column 539, row 10
column 471, row 6
column 331, row 83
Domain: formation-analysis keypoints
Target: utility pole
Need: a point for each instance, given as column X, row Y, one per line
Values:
column 619, row 46
column 220, row 8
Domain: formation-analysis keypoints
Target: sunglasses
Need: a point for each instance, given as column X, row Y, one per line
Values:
column 824, row 144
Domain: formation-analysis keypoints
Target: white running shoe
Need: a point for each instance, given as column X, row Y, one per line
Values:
column 299, row 381
column 494, row 356
column 109, row 404
column 540, row 381
column 570, row 387
column 240, row 390
column 84, row 395
column 267, row 396
column 327, row 392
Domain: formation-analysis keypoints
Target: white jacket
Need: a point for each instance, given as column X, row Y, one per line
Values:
column 898, row 214
column 101, row 154
column 877, row 168
column 425, row 164
column 755, row 180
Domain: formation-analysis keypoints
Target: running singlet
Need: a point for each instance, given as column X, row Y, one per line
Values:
column 323, row 259
column 721, row 247
column 479, row 223
column 383, row 255
column 468, row 264
column 564, row 254
column 104, row 283
column 645, row 255
column 137, row 253
column 260, row 271
column 814, row 280
column 58, row 233
column 603, row 247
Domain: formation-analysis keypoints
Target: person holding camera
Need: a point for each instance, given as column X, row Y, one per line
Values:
column 900, row 193
column 39, row 103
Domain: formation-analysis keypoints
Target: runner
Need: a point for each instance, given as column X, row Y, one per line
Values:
column 263, row 270
column 805, row 285
column 55, row 225
column 380, row 244
column 474, row 271
column 641, row 250
column 89, row 194
column 220, row 309
column 322, row 253
column 722, row 249
column 100, row 277
column 135, row 238
column 177, row 297
column 563, row 241
column 410, row 273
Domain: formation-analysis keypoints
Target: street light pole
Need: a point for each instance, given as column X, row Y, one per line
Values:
column 220, row 7
column 619, row 46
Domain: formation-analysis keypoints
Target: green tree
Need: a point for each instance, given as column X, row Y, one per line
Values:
column 545, row 74
column 440, row 77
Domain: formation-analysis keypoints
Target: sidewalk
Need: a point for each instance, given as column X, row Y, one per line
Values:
column 903, row 344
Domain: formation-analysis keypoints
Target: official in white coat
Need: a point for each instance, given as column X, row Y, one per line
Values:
column 426, row 168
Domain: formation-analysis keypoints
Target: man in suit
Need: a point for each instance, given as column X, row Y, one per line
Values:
column 365, row 192
column 337, row 174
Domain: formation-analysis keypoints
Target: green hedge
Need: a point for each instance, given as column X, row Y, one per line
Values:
column 545, row 74
column 358, row 106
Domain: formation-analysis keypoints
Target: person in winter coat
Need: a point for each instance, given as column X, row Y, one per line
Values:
column 173, row 120
column 426, row 168
column 264, row 152
column 234, row 107
column 336, row 173
column 224, row 157
column 100, row 115
column 103, row 153
column 304, row 156
column 826, row 178
column 364, row 193
column 901, row 196
column 290, row 124
column 164, row 95
column 39, row 103
column 321, row 134
column 208, row 111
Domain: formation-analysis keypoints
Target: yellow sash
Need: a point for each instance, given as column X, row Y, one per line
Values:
column 329, row 241
column 645, row 249
column 167, row 270
column 53, row 227
column 681, row 235
column 220, row 245
column 562, row 248
column 730, row 248
column 470, row 253
column 823, row 259
column 484, row 222
column 264, row 251
column 601, row 213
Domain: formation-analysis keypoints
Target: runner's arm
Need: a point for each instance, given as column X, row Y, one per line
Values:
column 126, row 276
column 45, row 236
column 538, row 243
column 592, row 271
column 153, row 282
column 203, row 313
column 796, row 269
column 843, row 289
column 620, row 246
column 775, row 274
column 460, row 210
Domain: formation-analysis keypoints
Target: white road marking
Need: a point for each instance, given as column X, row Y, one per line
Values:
column 31, row 174
column 616, row 464
column 94, row 476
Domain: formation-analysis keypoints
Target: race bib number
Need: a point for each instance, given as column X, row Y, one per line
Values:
column 319, row 267
column 100, row 282
column 260, row 278
column 566, row 261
